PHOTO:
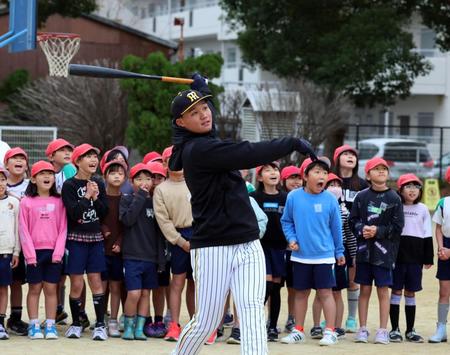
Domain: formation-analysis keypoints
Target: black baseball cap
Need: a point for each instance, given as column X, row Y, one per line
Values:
column 184, row 101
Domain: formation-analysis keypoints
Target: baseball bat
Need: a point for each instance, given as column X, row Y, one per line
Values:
column 102, row 72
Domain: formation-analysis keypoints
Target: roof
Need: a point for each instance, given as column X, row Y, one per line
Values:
column 273, row 100
column 119, row 26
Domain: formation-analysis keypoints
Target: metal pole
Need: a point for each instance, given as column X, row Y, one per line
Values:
column 441, row 147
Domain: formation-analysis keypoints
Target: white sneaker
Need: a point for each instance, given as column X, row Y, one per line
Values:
column 74, row 332
column 3, row 333
column 294, row 337
column 99, row 333
column 113, row 328
column 329, row 338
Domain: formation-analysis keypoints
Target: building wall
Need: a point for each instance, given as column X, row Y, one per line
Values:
column 98, row 41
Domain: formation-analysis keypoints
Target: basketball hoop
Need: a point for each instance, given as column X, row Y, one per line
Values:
column 59, row 48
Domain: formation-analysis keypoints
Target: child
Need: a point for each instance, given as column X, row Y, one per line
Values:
column 312, row 224
column 291, row 179
column 118, row 153
column 377, row 222
column 171, row 200
column 115, row 173
column 16, row 162
column 441, row 218
column 225, row 226
column 345, row 160
column 84, row 197
column 334, row 185
column 9, row 245
column 414, row 253
column 141, row 249
column 42, row 229
column 272, row 202
column 59, row 153
column 152, row 157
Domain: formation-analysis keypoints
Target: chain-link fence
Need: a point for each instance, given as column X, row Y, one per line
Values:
column 423, row 150
column 33, row 139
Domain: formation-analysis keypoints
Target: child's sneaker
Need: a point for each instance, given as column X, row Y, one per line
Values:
column 99, row 333
column 113, row 328
column 316, row 332
column 173, row 333
column 362, row 336
column 382, row 336
column 157, row 330
column 74, row 332
column 329, row 338
column 294, row 337
column 340, row 332
column 440, row 336
column 413, row 337
column 3, row 333
column 34, row 331
column 212, row 338
column 17, row 327
column 395, row 336
column 50, row 332
column 350, row 325
column 228, row 320
column 235, row 337
column 61, row 317
column 290, row 324
column 272, row 335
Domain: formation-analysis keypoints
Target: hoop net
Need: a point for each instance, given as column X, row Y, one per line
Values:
column 59, row 48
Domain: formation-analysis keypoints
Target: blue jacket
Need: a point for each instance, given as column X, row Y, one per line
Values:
column 314, row 222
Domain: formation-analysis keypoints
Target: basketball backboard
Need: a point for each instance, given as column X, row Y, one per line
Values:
column 21, row 35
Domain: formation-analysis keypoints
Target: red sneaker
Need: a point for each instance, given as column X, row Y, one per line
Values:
column 173, row 333
column 212, row 338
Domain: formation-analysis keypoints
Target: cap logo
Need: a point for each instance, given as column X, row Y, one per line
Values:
column 192, row 96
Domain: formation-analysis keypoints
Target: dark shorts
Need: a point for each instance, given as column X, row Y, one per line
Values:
column 443, row 268
column 140, row 274
column 180, row 260
column 6, row 273
column 114, row 268
column 275, row 262
column 367, row 274
column 341, row 277
column 288, row 276
column 408, row 277
column 19, row 272
column 45, row 270
column 317, row 276
column 85, row 257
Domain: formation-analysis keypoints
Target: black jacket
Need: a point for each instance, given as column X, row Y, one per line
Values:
column 384, row 210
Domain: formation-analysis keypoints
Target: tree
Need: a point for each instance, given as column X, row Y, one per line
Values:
column 65, row 8
column 13, row 83
column 91, row 110
column 359, row 47
column 149, row 100
column 228, row 119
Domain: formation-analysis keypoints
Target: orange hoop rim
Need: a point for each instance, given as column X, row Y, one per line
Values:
column 43, row 36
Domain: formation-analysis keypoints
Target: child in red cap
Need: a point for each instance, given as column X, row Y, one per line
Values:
column 9, row 246
column 84, row 197
column 59, row 153
column 43, row 230
column 377, row 221
column 16, row 162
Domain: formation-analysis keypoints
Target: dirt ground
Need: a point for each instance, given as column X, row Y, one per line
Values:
column 425, row 324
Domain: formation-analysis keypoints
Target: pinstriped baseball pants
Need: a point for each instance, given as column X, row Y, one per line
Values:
column 217, row 270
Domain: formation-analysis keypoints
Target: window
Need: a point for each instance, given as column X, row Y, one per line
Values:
column 425, row 121
column 143, row 12
column 191, row 18
column 404, row 125
column 231, row 57
column 151, row 9
column 427, row 42
column 385, row 127
column 154, row 24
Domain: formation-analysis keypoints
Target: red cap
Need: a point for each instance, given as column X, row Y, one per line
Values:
column 55, row 145
column 12, row 152
column 259, row 168
column 308, row 161
column 138, row 168
column 4, row 171
column 113, row 162
column 343, row 148
column 157, row 168
column 103, row 160
column 41, row 165
column 447, row 175
column 406, row 179
column 372, row 163
column 82, row 149
column 151, row 156
column 288, row 171
column 167, row 153
column 332, row 177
